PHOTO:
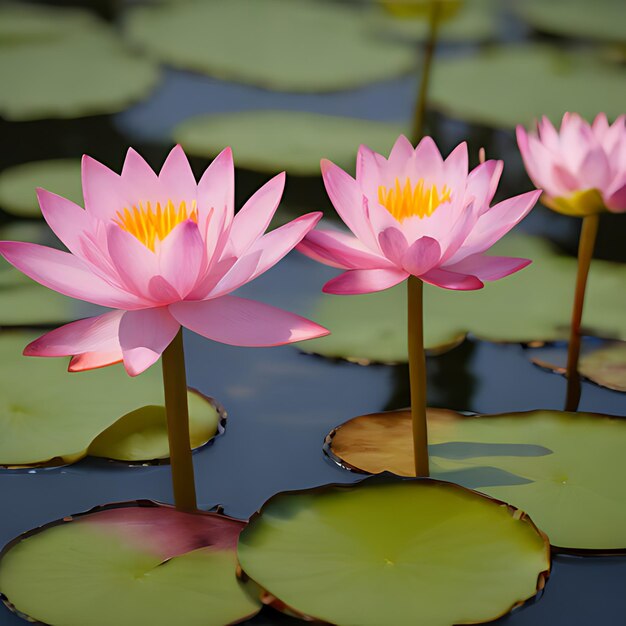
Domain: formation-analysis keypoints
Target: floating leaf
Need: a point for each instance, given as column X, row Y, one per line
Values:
column 399, row 552
column 269, row 141
column 88, row 73
column 602, row 20
column 568, row 81
column 466, row 21
column 48, row 416
column 143, row 564
column 605, row 366
column 18, row 185
column 30, row 22
column 291, row 46
column 566, row 470
column 533, row 305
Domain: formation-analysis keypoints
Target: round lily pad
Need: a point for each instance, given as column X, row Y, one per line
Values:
column 464, row 87
column 51, row 417
column 292, row 46
column 33, row 22
column 90, row 72
column 418, row 552
column 465, row 21
column 295, row 141
column 566, row 470
column 605, row 366
column 533, row 305
column 18, row 185
column 128, row 565
column 602, row 20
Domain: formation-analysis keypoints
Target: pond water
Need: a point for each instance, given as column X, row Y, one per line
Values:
column 281, row 403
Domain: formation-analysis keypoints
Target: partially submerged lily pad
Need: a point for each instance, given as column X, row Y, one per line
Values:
column 567, row 79
column 601, row 20
column 604, row 365
column 128, row 565
column 532, row 305
column 566, row 470
column 396, row 552
column 18, row 185
column 291, row 46
column 50, row 417
column 295, row 141
column 87, row 72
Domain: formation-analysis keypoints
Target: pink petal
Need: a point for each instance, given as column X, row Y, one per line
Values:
column 616, row 202
column 241, row 322
column 252, row 220
column 177, row 178
column 94, row 360
column 348, row 200
column 216, row 189
column 93, row 334
column 455, row 167
column 67, row 220
column 600, row 126
column 66, row 274
column 140, row 182
column 488, row 267
column 339, row 250
column 393, row 245
column 426, row 163
column 135, row 264
column 495, row 223
column 595, row 170
column 537, row 161
column 548, row 134
column 266, row 252
column 451, row 280
column 482, row 183
column 355, row 282
column 103, row 190
column 422, row 256
column 143, row 337
column 401, row 152
column 181, row 257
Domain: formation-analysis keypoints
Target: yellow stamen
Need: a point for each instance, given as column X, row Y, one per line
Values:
column 410, row 201
column 148, row 223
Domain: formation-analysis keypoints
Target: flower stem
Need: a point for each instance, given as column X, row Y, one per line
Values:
column 417, row 374
column 585, row 253
column 429, row 51
column 175, row 386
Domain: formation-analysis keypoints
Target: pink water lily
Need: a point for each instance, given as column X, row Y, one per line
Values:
column 416, row 214
column 581, row 168
column 163, row 251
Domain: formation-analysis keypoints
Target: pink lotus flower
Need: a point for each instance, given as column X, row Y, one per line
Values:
column 581, row 168
column 164, row 251
column 416, row 214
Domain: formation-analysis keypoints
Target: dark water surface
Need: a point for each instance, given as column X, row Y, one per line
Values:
column 281, row 403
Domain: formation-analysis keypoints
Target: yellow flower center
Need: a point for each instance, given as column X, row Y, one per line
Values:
column 408, row 201
column 148, row 223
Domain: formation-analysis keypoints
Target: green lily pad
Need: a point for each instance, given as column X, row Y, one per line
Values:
column 532, row 305
column 31, row 22
column 295, row 141
column 90, row 72
column 605, row 366
column 50, row 417
column 397, row 552
column 566, row 470
column 464, row 87
column 138, row 564
column 476, row 20
column 602, row 20
column 292, row 46
column 18, row 185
